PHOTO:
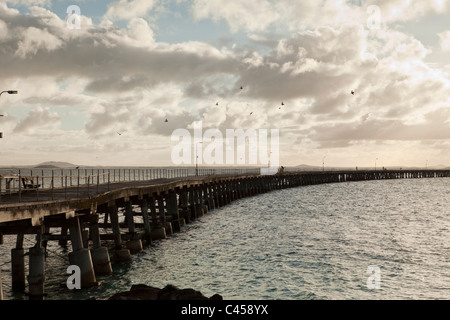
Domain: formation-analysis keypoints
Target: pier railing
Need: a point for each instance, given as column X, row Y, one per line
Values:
column 59, row 184
column 48, row 184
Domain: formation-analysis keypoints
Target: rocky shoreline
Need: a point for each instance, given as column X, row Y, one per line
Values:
column 169, row 292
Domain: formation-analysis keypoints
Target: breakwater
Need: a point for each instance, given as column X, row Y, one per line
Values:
column 139, row 213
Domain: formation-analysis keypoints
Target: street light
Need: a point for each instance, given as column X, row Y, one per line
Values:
column 8, row 92
column 196, row 158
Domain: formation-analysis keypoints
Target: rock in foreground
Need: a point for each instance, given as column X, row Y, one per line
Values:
column 169, row 292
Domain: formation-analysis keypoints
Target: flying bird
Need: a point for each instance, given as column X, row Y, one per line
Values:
column 353, row 92
column 166, row 120
column 365, row 117
column 242, row 87
column 251, row 113
column 119, row 133
column 217, row 103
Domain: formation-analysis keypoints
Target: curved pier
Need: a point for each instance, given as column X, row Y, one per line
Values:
column 133, row 214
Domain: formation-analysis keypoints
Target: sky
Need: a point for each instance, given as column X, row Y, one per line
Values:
column 96, row 88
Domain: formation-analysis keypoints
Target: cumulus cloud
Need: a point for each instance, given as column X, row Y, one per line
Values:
column 124, row 9
column 109, row 58
column 249, row 15
column 139, row 30
column 29, row 2
column 307, row 65
column 123, row 79
column 434, row 127
column 34, row 40
column 36, row 118
column 299, row 15
column 406, row 10
column 444, row 40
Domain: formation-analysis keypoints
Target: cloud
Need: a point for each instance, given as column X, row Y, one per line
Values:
column 253, row 16
column 125, row 10
column 36, row 118
column 444, row 40
column 34, row 40
column 309, row 64
column 29, row 2
column 110, row 58
column 309, row 55
column 434, row 127
column 406, row 10
column 154, row 123
column 139, row 30
column 250, row 15
column 282, row 15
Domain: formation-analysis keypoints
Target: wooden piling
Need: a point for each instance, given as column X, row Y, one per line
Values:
column 100, row 255
column 36, row 273
column 1, row 287
column 183, row 204
column 167, row 225
column 146, row 219
column 192, row 203
column 18, row 265
column 80, row 255
column 158, row 229
column 172, row 210
column 120, row 254
column 134, row 244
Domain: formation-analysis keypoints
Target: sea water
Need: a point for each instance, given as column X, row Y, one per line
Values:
column 384, row 239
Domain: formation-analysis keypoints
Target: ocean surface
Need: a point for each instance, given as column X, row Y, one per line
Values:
column 385, row 239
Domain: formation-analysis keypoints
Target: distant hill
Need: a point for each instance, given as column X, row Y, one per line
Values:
column 304, row 165
column 55, row 165
column 307, row 166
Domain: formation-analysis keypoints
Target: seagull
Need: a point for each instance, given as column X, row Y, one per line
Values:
column 365, row 117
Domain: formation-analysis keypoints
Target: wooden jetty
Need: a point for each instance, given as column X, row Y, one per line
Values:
column 133, row 214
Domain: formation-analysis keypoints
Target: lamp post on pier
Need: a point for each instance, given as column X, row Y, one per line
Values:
column 196, row 158
column 8, row 92
column 1, row 136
